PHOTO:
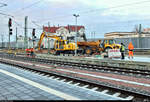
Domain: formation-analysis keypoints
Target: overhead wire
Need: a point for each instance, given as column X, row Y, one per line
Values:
column 29, row 6
column 33, row 22
column 3, row 4
column 26, row 28
column 95, row 10
column 6, row 14
column 119, row 6
column 83, row 12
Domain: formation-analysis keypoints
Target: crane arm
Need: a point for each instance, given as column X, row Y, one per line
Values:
column 40, row 41
column 55, row 37
column 49, row 36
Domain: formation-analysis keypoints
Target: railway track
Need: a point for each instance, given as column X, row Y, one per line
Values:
column 85, row 83
column 98, row 86
column 92, row 67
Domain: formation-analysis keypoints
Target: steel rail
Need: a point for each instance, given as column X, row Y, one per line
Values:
column 84, row 66
column 140, row 97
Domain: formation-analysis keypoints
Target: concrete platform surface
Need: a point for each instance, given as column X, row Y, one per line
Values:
column 137, row 58
column 18, row 84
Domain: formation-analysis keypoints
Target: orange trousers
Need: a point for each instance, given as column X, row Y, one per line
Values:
column 130, row 53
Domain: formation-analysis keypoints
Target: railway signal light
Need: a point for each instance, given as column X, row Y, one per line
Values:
column 9, row 22
column 10, row 25
column 10, row 31
column 33, row 32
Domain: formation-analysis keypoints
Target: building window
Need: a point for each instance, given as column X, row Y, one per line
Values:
column 62, row 32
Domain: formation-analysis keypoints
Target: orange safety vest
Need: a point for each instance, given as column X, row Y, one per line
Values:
column 130, row 46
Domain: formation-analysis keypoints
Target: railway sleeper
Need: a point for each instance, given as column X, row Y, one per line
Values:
column 76, row 64
column 105, row 91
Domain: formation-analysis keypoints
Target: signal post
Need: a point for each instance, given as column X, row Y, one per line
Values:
column 33, row 36
column 10, row 30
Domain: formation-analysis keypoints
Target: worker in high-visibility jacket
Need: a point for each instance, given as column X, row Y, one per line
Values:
column 130, row 47
column 122, row 50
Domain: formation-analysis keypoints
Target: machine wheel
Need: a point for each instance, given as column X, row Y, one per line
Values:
column 88, row 51
column 117, row 47
column 53, row 52
column 81, row 51
column 107, row 48
column 57, row 53
column 72, row 52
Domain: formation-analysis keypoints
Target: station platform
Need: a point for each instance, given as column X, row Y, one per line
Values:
column 137, row 58
column 138, row 62
column 19, row 84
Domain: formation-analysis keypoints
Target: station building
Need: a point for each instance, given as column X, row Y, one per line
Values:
column 139, row 40
column 126, row 35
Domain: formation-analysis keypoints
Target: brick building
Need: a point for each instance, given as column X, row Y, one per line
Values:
column 66, row 32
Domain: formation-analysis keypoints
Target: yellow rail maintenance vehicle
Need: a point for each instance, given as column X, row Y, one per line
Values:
column 60, row 46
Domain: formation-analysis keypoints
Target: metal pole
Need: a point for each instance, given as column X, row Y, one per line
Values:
column 91, row 35
column 33, row 40
column 2, row 39
column 48, row 38
column 48, row 46
column 94, row 35
column 140, row 36
column 33, row 44
column 25, row 38
column 48, row 27
column 43, row 28
column 76, row 38
column 16, row 39
column 9, row 39
column 76, row 34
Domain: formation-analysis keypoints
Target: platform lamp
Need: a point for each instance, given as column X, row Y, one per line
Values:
column 76, row 15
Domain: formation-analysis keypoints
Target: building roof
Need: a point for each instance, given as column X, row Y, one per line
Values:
column 120, row 33
column 125, row 33
column 71, row 28
column 146, row 30
column 50, row 29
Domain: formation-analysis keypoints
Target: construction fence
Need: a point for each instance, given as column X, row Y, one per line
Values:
column 19, row 45
column 142, row 42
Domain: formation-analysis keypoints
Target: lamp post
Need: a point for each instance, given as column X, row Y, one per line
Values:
column 75, row 15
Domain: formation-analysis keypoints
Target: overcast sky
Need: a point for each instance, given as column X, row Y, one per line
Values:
column 99, row 16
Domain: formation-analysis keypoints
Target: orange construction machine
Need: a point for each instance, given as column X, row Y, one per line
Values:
column 96, row 47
